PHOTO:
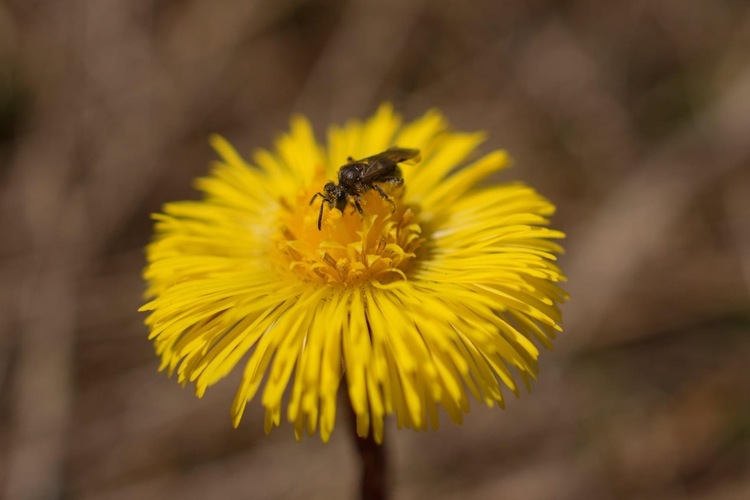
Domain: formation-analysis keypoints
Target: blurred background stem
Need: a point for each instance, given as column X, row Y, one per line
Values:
column 372, row 458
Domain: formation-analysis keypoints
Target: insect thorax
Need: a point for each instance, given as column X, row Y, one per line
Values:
column 349, row 174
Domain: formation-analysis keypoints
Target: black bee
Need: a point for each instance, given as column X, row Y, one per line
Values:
column 357, row 177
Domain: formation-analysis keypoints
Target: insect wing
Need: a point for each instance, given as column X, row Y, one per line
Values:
column 383, row 164
column 399, row 155
column 373, row 169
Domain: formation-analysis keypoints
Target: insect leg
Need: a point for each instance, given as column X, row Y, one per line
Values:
column 357, row 197
column 395, row 178
column 384, row 195
column 320, row 215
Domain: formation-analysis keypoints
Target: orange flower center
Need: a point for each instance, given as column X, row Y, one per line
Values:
column 350, row 248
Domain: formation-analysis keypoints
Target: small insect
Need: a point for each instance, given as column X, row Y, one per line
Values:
column 356, row 177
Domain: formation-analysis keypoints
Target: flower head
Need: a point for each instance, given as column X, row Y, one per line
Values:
column 415, row 306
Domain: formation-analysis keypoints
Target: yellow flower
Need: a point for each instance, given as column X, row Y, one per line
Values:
column 416, row 308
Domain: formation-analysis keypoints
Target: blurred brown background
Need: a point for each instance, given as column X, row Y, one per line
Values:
column 633, row 116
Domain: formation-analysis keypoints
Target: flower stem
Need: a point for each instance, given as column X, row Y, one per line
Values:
column 373, row 461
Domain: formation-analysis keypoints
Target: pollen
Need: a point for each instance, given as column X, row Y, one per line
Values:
column 351, row 248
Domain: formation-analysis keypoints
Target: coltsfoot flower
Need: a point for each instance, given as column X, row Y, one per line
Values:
column 415, row 308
